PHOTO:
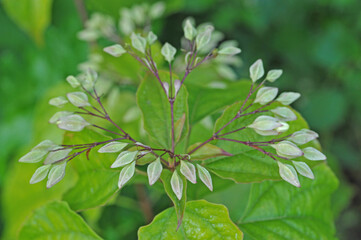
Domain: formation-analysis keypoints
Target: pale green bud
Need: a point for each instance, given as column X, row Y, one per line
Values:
column 256, row 71
column 267, row 133
column 126, row 174
column 265, row 123
column 273, row 75
column 138, row 42
column 303, row 169
column 313, row 154
column 57, row 156
column 57, row 172
column 168, row 51
column 40, row 174
column 289, row 174
column 283, row 128
column 205, row 177
column 189, row 171
column 284, row 113
column 204, row 37
column 266, row 95
column 177, row 185
column 124, row 158
column 286, row 98
column 156, row 10
column 166, row 87
column 73, row 123
column 189, row 30
column 154, row 171
column 151, row 38
column 287, row 149
column 112, row 147
column 229, row 51
column 59, row 115
column 74, row 83
column 38, row 152
column 115, row 50
column 78, row 99
column 138, row 14
column 303, row 136
column 177, row 85
column 58, row 101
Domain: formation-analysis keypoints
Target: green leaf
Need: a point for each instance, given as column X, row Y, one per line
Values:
column 56, row 220
column 206, row 151
column 202, row 220
column 292, row 213
column 97, row 182
column 155, row 109
column 179, row 205
column 31, row 15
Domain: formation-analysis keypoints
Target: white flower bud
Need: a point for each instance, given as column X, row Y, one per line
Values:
column 115, row 50
column 267, row 133
column 154, row 171
column 266, row 95
column 78, row 99
column 73, row 123
column 74, row 83
column 40, row 174
column 58, row 101
column 177, row 85
column 286, row 98
column 265, row 123
column 124, row 158
column 38, row 152
column 57, row 156
column 138, row 42
column 189, row 30
column 289, row 174
column 283, row 128
column 313, row 154
column 57, row 172
column 166, row 87
column 177, row 185
column 59, row 115
column 156, row 10
column 189, row 171
column 303, row 169
column 303, row 136
column 273, row 75
column 287, row 149
column 204, row 37
column 230, row 51
column 151, row 38
column 126, row 174
column 205, row 177
column 168, row 51
column 256, row 71
column 112, row 147
column 285, row 113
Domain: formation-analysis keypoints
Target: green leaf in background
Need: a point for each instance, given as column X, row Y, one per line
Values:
column 97, row 182
column 32, row 16
column 154, row 105
column 56, row 220
column 179, row 205
column 206, row 151
column 202, row 220
column 292, row 213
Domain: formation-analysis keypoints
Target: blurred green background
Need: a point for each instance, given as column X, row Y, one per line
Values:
column 317, row 43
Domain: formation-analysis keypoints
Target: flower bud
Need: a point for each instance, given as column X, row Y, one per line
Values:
column 57, row 155
column 73, row 81
column 287, row 149
column 154, row 171
column 286, row 98
column 40, row 174
column 204, row 37
column 256, row 71
column 73, row 123
column 289, row 174
column 138, row 42
column 189, row 30
column 303, row 169
column 156, row 10
column 166, row 87
column 59, row 115
column 285, row 113
column 112, row 147
column 57, row 172
column 313, row 154
column 303, row 136
column 78, row 99
column 115, row 50
column 205, row 177
column 151, row 38
column 189, row 171
column 177, row 185
column 124, row 158
column 266, row 95
column 126, row 174
column 168, row 51
column 229, row 51
column 283, row 128
column 58, row 101
column 273, row 75
column 265, row 123
column 177, row 85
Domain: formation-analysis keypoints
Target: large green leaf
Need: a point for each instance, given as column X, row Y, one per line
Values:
column 179, row 205
column 202, row 220
column 56, row 221
column 97, row 182
column 205, row 100
column 32, row 16
column 277, row 210
column 156, row 110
